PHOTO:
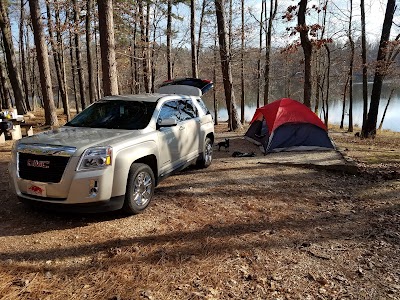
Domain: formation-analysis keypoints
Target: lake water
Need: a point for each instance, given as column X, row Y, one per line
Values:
column 391, row 122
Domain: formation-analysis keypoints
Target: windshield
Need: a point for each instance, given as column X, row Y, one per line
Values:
column 115, row 114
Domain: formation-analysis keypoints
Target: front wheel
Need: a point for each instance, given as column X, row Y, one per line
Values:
column 205, row 158
column 139, row 189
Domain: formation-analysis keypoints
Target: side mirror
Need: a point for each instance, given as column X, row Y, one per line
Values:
column 168, row 122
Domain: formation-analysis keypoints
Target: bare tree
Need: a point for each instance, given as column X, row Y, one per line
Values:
column 364, row 64
column 386, row 108
column 242, row 98
column 193, row 38
column 263, row 4
column 135, row 85
column 169, row 37
column 202, row 15
column 215, row 55
column 73, row 65
column 6, row 101
column 351, row 64
column 13, row 71
column 272, row 13
column 57, row 61
column 25, row 80
column 369, row 130
column 107, row 47
column 307, row 50
column 78, row 55
column 89, row 52
column 144, row 45
column 43, row 63
column 234, row 122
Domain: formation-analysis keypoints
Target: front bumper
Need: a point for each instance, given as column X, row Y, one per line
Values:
column 115, row 203
column 83, row 191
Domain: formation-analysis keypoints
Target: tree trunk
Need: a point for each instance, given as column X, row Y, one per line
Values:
column 351, row 42
column 61, row 59
column 344, row 102
column 73, row 69
column 203, row 9
column 370, row 127
column 386, row 108
column 268, row 43
column 147, row 48
column 135, row 59
column 144, row 46
column 230, row 21
column 107, row 47
column 234, row 122
column 132, row 46
column 169, row 37
column 263, row 4
column 328, row 81
column 307, row 50
column 364, row 65
column 242, row 98
column 215, row 80
column 25, row 82
column 322, row 75
column 193, row 38
column 6, row 89
column 43, row 63
column 78, row 55
column 58, row 65
column 13, row 71
column 153, row 53
column 89, row 52
column 96, row 51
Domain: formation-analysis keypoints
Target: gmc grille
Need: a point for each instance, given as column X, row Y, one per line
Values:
column 41, row 168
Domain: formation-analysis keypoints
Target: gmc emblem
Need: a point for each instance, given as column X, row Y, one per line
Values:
column 38, row 163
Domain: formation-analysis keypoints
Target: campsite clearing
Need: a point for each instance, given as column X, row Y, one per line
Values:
column 245, row 228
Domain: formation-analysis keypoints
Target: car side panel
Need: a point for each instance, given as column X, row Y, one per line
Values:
column 190, row 139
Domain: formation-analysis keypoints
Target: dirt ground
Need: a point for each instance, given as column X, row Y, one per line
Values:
column 245, row 228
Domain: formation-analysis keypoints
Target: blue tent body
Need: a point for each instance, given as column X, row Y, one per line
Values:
column 300, row 136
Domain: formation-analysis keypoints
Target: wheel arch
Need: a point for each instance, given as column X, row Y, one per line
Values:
column 151, row 161
column 124, row 160
column 210, row 135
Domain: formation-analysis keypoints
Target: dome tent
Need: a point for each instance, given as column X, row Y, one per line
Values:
column 288, row 125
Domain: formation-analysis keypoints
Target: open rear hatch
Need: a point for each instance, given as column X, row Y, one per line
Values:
column 186, row 86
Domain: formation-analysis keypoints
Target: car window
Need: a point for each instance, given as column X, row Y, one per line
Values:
column 203, row 106
column 187, row 109
column 115, row 114
column 169, row 110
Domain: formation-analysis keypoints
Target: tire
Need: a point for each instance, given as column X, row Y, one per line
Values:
column 205, row 157
column 139, row 189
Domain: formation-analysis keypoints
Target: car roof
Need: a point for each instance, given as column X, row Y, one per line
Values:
column 141, row 97
column 137, row 97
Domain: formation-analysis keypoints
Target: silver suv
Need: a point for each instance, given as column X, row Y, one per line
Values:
column 114, row 153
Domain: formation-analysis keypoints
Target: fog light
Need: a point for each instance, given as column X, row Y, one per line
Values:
column 93, row 188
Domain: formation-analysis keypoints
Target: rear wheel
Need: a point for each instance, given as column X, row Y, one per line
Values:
column 205, row 158
column 139, row 189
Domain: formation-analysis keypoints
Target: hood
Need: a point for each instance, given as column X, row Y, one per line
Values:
column 81, row 138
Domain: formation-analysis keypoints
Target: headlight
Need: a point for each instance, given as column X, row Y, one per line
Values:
column 95, row 158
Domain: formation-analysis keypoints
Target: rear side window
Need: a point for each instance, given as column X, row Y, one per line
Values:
column 203, row 106
column 187, row 109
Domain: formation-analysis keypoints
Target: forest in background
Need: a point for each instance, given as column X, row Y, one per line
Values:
column 312, row 51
